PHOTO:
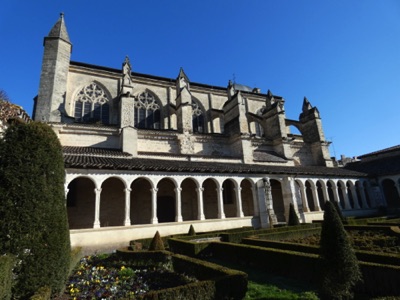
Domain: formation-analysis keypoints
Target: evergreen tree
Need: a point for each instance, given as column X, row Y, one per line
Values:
column 339, row 211
column 156, row 243
column 293, row 218
column 191, row 230
column 339, row 266
column 33, row 217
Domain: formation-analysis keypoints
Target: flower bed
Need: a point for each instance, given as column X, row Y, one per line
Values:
column 109, row 277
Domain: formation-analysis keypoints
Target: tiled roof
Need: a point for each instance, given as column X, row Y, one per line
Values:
column 268, row 156
column 79, row 158
column 384, row 166
column 383, row 151
column 90, row 151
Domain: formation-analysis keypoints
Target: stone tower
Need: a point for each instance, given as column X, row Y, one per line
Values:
column 49, row 104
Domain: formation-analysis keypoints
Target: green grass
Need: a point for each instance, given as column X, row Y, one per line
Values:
column 263, row 285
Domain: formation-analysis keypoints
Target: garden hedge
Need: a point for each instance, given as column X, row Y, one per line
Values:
column 215, row 282
column 6, row 266
column 33, row 215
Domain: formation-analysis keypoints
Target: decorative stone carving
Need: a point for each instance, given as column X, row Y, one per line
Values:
column 186, row 143
column 127, row 112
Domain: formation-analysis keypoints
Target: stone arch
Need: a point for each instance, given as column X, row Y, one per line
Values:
column 189, row 199
column 360, row 193
column 81, row 200
column 91, row 103
column 330, row 185
column 247, row 196
column 309, row 185
column 320, row 192
column 349, row 187
column 390, row 192
column 141, row 201
column 112, row 202
column 366, row 192
column 229, row 198
column 210, row 198
column 277, row 200
column 294, row 130
column 166, row 200
column 301, row 196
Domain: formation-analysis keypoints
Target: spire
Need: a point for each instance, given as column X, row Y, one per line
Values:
column 59, row 30
column 182, row 81
column 306, row 105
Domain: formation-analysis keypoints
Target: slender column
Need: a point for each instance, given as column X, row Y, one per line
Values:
column 325, row 192
column 335, row 194
column 127, row 207
column 200, row 205
column 315, row 198
column 269, row 202
column 221, row 214
column 304, row 198
column 397, row 185
column 96, row 223
column 239, row 209
column 345, row 197
column 362, row 194
column 178, row 204
column 66, row 195
column 256, row 207
column 354, row 195
column 154, row 219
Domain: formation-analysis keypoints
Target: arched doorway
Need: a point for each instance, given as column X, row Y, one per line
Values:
column 320, row 192
column 141, row 197
column 166, row 207
column 277, row 200
column 189, row 200
column 229, row 198
column 310, row 196
column 81, row 200
column 390, row 193
column 247, row 198
column 112, row 203
column 210, row 199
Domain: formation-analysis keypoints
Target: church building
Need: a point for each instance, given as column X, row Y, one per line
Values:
column 146, row 153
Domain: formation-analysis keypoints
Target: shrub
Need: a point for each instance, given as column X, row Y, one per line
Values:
column 157, row 243
column 293, row 218
column 33, row 216
column 6, row 266
column 191, row 231
column 340, row 271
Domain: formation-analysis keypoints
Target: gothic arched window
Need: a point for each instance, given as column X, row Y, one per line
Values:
column 91, row 105
column 147, row 112
column 197, row 118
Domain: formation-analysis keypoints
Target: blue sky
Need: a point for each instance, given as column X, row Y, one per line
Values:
column 344, row 56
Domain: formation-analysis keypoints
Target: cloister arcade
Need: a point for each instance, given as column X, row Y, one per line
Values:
column 110, row 198
column 390, row 187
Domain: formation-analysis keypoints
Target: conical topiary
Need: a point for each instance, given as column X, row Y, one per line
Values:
column 340, row 271
column 339, row 211
column 156, row 243
column 191, row 230
column 293, row 218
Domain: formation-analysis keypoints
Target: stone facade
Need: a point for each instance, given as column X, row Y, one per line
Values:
column 142, row 150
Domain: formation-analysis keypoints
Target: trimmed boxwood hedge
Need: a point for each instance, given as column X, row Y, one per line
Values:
column 215, row 282
column 6, row 267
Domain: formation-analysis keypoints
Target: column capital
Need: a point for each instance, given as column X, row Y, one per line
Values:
column 97, row 190
column 178, row 189
column 128, row 190
column 237, row 189
column 154, row 190
column 201, row 189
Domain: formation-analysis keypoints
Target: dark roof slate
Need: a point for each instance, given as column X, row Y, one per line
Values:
column 383, row 166
column 79, row 158
column 383, row 151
